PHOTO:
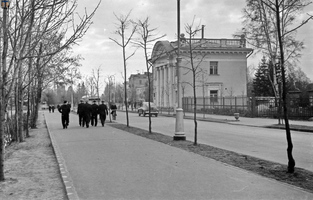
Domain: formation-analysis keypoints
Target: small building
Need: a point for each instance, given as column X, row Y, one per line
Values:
column 138, row 85
column 221, row 72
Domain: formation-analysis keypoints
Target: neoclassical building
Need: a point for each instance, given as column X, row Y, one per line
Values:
column 220, row 67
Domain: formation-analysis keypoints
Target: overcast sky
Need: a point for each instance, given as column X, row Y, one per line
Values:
column 221, row 18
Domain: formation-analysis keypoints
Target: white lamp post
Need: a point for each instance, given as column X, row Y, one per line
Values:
column 179, row 125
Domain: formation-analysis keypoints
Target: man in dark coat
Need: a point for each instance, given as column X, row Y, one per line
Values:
column 80, row 112
column 52, row 107
column 94, row 114
column 103, row 112
column 86, row 114
column 65, row 111
column 113, row 110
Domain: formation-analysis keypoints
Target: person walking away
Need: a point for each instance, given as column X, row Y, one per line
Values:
column 65, row 111
column 80, row 112
column 103, row 112
column 52, row 107
column 94, row 114
column 113, row 112
column 87, row 114
column 49, row 108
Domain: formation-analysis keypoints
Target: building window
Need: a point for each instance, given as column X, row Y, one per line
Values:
column 213, row 96
column 213, row 67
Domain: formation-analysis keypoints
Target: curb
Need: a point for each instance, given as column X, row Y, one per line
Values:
column 67, row 181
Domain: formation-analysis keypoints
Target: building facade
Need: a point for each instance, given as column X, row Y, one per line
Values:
column 219, row 69
column 138, row 84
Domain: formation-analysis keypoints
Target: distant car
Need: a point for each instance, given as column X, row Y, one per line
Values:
column 144, row 109
column 44, row 107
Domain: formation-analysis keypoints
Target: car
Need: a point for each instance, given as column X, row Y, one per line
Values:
column 144, row 109
column 44, row 107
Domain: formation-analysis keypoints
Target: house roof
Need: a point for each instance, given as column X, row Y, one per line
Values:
column 165, row 48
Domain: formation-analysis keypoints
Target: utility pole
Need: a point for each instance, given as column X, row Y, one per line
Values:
column 179, row 125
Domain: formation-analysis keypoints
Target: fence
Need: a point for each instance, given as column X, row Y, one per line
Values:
column 266, row 107
column 214, row 105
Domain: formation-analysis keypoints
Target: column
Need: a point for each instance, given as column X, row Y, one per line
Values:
column 158, row 87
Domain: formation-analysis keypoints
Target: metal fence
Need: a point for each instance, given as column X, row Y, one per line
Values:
column 214, row 105
column 269, row 107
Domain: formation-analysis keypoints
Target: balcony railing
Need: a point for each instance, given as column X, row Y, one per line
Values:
column 218, row 43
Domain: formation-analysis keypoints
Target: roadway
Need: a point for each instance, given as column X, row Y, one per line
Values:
column 264, row 143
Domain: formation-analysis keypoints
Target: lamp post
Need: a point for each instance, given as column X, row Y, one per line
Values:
column 179, row 124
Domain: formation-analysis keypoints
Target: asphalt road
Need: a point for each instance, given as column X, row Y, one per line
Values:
column 264, row 143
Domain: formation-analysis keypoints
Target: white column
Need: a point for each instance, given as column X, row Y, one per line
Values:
column 164, row 85
column 158, row 96
column 169, row 68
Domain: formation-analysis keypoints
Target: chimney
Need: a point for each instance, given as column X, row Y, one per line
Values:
column 202, row 33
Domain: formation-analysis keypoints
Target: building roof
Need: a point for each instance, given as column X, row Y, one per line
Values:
column 165, row 48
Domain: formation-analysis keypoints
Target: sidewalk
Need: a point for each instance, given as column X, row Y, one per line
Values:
column 297, row 125
column 107, row 163
column 306, row 126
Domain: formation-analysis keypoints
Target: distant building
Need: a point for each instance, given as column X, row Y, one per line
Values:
column 222, row 62
column 138, row 84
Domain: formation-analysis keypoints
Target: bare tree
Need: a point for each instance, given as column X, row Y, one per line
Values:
column 124, row 23
column 39, row 30
column 96, row 77
column 146, row 40
column 195, row 59
column 271, row 25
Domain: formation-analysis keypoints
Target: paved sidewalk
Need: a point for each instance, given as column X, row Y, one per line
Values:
column 107, row 163
column 258, row 122
column 306, row 126
column 246, row 121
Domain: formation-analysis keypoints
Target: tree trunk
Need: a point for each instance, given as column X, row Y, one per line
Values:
column 291, row 161
column 19, row 111
column 3, row 101
column 195, row 109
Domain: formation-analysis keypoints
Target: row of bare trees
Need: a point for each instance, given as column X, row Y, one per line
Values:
column 139, row 34
column 36, row 47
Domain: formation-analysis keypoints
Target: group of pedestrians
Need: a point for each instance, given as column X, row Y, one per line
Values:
column 51, row 108
column 89, row 113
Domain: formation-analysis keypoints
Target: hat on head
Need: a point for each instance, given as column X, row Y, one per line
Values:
column 81, row 100
column 65, row 102
column 94, row 101
column 102, row 101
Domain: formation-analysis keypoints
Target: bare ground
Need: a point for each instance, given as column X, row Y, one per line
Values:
column 31, row 169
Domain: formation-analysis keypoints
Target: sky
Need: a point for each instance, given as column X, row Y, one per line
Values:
column 222, row 18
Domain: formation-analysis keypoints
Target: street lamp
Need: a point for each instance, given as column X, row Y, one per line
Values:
column 179, row 124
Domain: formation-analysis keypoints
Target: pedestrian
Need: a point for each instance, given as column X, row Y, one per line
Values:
column 52, row 107
column 80, row 112
column 103, row 112
column 94, row 113
column 113, row 112
column 65, row 111
column 87, row 114
column 49, row 108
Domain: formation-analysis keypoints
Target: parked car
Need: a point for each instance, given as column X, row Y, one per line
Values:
column 144, row 109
